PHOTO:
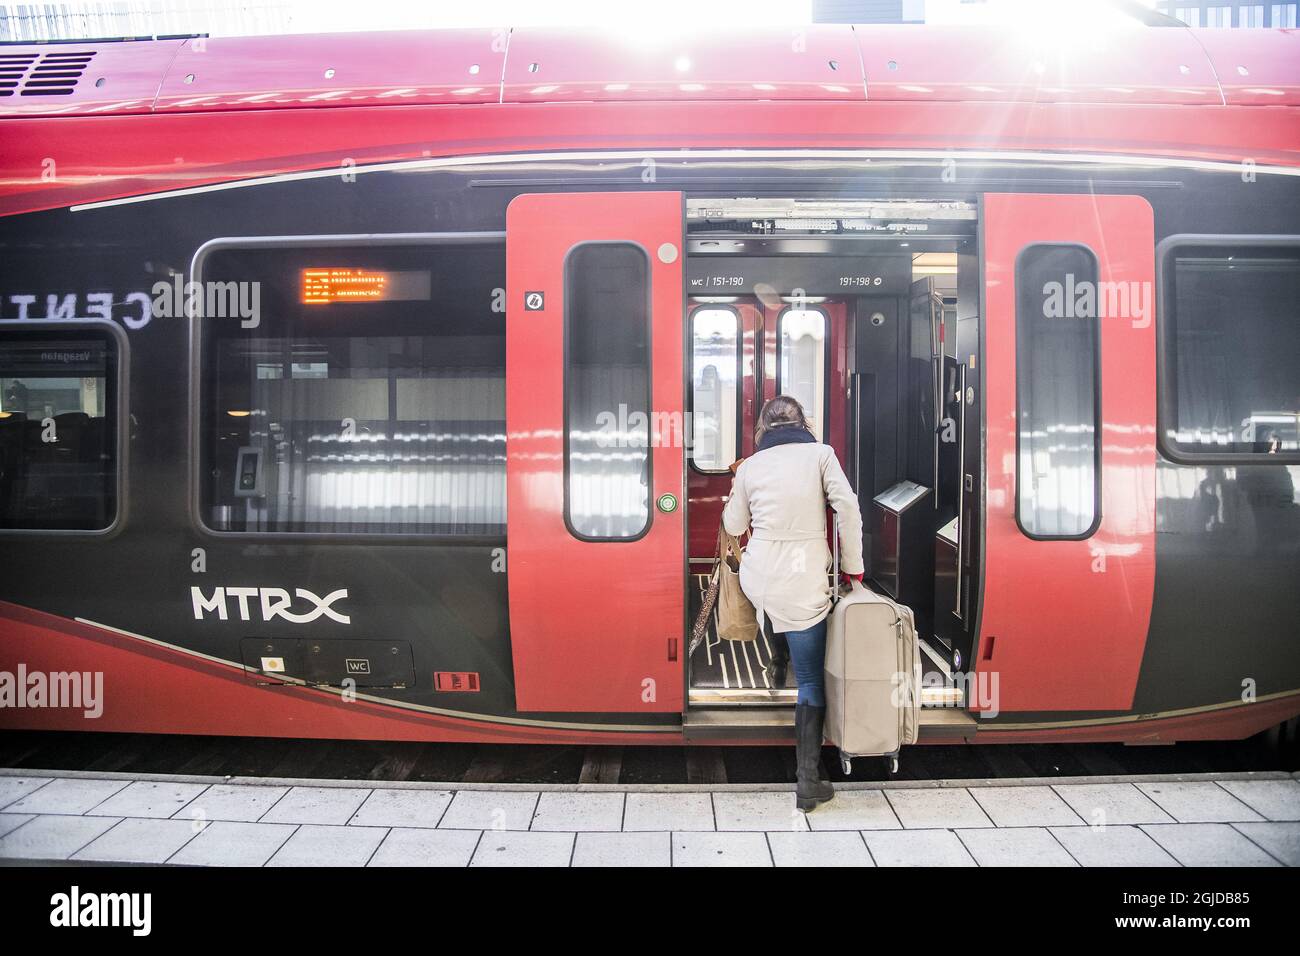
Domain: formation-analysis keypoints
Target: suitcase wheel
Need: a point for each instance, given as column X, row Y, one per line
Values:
column 846, row 764
column 893, row 764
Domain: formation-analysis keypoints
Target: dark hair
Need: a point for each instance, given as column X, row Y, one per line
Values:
column 780, row 412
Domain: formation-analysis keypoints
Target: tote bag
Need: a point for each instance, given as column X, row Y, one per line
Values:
column 737, row 619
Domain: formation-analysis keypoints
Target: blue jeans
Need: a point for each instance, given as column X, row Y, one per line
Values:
column 808, row 657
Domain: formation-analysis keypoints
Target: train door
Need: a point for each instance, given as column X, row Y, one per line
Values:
column 1070, row 405
column 811, row 298
column 745, row 350
column 595, row 451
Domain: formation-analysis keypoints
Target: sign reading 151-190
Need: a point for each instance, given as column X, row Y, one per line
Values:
column 876, row 274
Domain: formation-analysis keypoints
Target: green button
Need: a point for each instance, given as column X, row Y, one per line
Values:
column 667, row 503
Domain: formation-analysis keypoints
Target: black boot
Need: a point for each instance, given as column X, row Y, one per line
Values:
column 810, row 790
column 779, row 663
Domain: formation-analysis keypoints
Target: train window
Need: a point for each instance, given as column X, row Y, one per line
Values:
column 1058, row 404
column 58, row 429
column 715, row 392
column 607, row 391
column 1231, row 331
column 367, row 396
column 801, row 363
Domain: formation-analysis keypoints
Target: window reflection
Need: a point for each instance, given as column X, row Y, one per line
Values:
column 361, row 435
column 607, row 390
column 715, row 350
column 1057, row 401
column 802, row 370
column 1234, row 330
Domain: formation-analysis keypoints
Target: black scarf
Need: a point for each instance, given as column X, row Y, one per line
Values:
column 785, row 435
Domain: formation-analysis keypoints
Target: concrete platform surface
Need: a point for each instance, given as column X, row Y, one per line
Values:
column 1248, row 819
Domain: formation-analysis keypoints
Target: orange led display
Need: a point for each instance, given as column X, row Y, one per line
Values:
column 322, row 286
column 326, row 285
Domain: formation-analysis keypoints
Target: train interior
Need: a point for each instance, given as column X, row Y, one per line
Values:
column 56, row 456
column 867, row 313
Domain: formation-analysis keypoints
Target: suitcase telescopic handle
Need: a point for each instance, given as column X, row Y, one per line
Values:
column 835, row 552
column 835, row 547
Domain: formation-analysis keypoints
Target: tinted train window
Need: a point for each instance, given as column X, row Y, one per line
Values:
column 367, row 396
column 58, row 430
column 715, row 373
column 801, row 369
column 1232, row 350
column 1058, row 408
column 607, row 390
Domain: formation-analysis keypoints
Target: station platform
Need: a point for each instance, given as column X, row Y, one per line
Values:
column 67, row 817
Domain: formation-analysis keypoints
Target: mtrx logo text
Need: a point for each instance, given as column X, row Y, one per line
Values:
column 271, row 602
column 75, row 908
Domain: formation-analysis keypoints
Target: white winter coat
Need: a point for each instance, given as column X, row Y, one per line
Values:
column 780, row 494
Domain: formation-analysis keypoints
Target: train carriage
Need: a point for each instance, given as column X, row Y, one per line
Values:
column 385, row 386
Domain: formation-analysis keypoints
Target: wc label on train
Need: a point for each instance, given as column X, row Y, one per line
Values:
column 357, row 665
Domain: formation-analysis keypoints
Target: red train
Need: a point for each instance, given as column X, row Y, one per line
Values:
column 383, row 386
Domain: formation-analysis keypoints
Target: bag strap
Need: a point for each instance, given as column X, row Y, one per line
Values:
column 728, row 543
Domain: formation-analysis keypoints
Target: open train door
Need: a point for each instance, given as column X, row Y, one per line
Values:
column 595, row 451
column 1070, row 455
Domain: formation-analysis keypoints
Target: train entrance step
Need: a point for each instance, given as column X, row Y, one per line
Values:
column 949, row 725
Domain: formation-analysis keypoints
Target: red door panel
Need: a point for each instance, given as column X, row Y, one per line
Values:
column 594, row 625
column 1064, row 622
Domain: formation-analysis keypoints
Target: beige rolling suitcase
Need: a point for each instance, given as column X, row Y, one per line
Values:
column 873, row 677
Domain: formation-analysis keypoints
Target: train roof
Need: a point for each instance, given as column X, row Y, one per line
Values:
column 1139, row 66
